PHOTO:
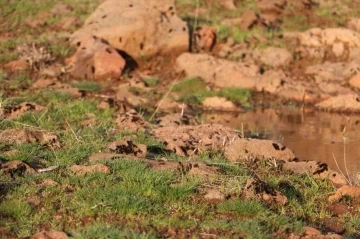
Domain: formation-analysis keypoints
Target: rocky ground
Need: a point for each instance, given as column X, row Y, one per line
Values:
column 101, row 134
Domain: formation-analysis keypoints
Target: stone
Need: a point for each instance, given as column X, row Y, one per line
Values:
column 50, row 235
column 310, row 231
column 242, row 149
column 336, row 72
column 213, row 194
column 176, row 120
column 96, row 59
column 82, row 170
column 347, row 190
column 23, row 136
column 218, row 72
column 338, row 49
column 14, row 111
column 16, row 167
column 185, row 140
column 316, row 41
column 123, row 94
column 355, row 81
column 271, row 81
column 275, row 57
column 219, row 103
column 248, row 20
column 204, row 38
column 17, row 65
column 342, row 103
column 138, row 27
column 131, row 121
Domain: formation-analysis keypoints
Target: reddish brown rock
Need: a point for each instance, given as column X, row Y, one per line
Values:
column 192, row 140
column 355, row 81
column 219, row 103
column 48, row 183
column 131, row 121
column 16, row 167
column 50, row 235
column 218, row 72
column 17, row 65
column 205, row 38
column 242, row 149
column 82, row 170
column 176, row 120
column 350, row 191
column 141, row 28
column 342, row 103
column 15, row 111
column 22, row 136
column 45, row 83
column 275, row 57
column 213, row 194
column 96, row 59
column 248, row 20
column 310, row 231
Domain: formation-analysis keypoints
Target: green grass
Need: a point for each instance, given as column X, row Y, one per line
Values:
column 108, row 231
column 88, row 86
column 237, row 95
column 152, row 81
column 194, row 90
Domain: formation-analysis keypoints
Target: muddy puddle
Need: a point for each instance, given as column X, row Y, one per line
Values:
column 311, row 135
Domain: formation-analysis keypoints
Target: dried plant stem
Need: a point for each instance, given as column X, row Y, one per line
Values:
column 337, row 165
column 345, row 164
column 165, row 96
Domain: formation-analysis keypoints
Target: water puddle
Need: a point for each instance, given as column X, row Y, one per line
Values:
column 314, row 135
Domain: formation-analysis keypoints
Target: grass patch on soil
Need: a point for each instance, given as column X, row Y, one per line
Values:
column 195, row 90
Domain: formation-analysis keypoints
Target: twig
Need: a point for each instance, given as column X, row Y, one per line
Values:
column 49, row 169
column 72, row 131
column 345, row 164
column 166, row 95
column 337, row 165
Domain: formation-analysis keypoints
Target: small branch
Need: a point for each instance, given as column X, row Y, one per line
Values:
column 165, row 96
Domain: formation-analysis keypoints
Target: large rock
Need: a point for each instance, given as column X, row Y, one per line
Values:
column 341, row 103
column 218, row 72
column 96, row 59
column 337, row 72
column 138, row 27
column 315, row 41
